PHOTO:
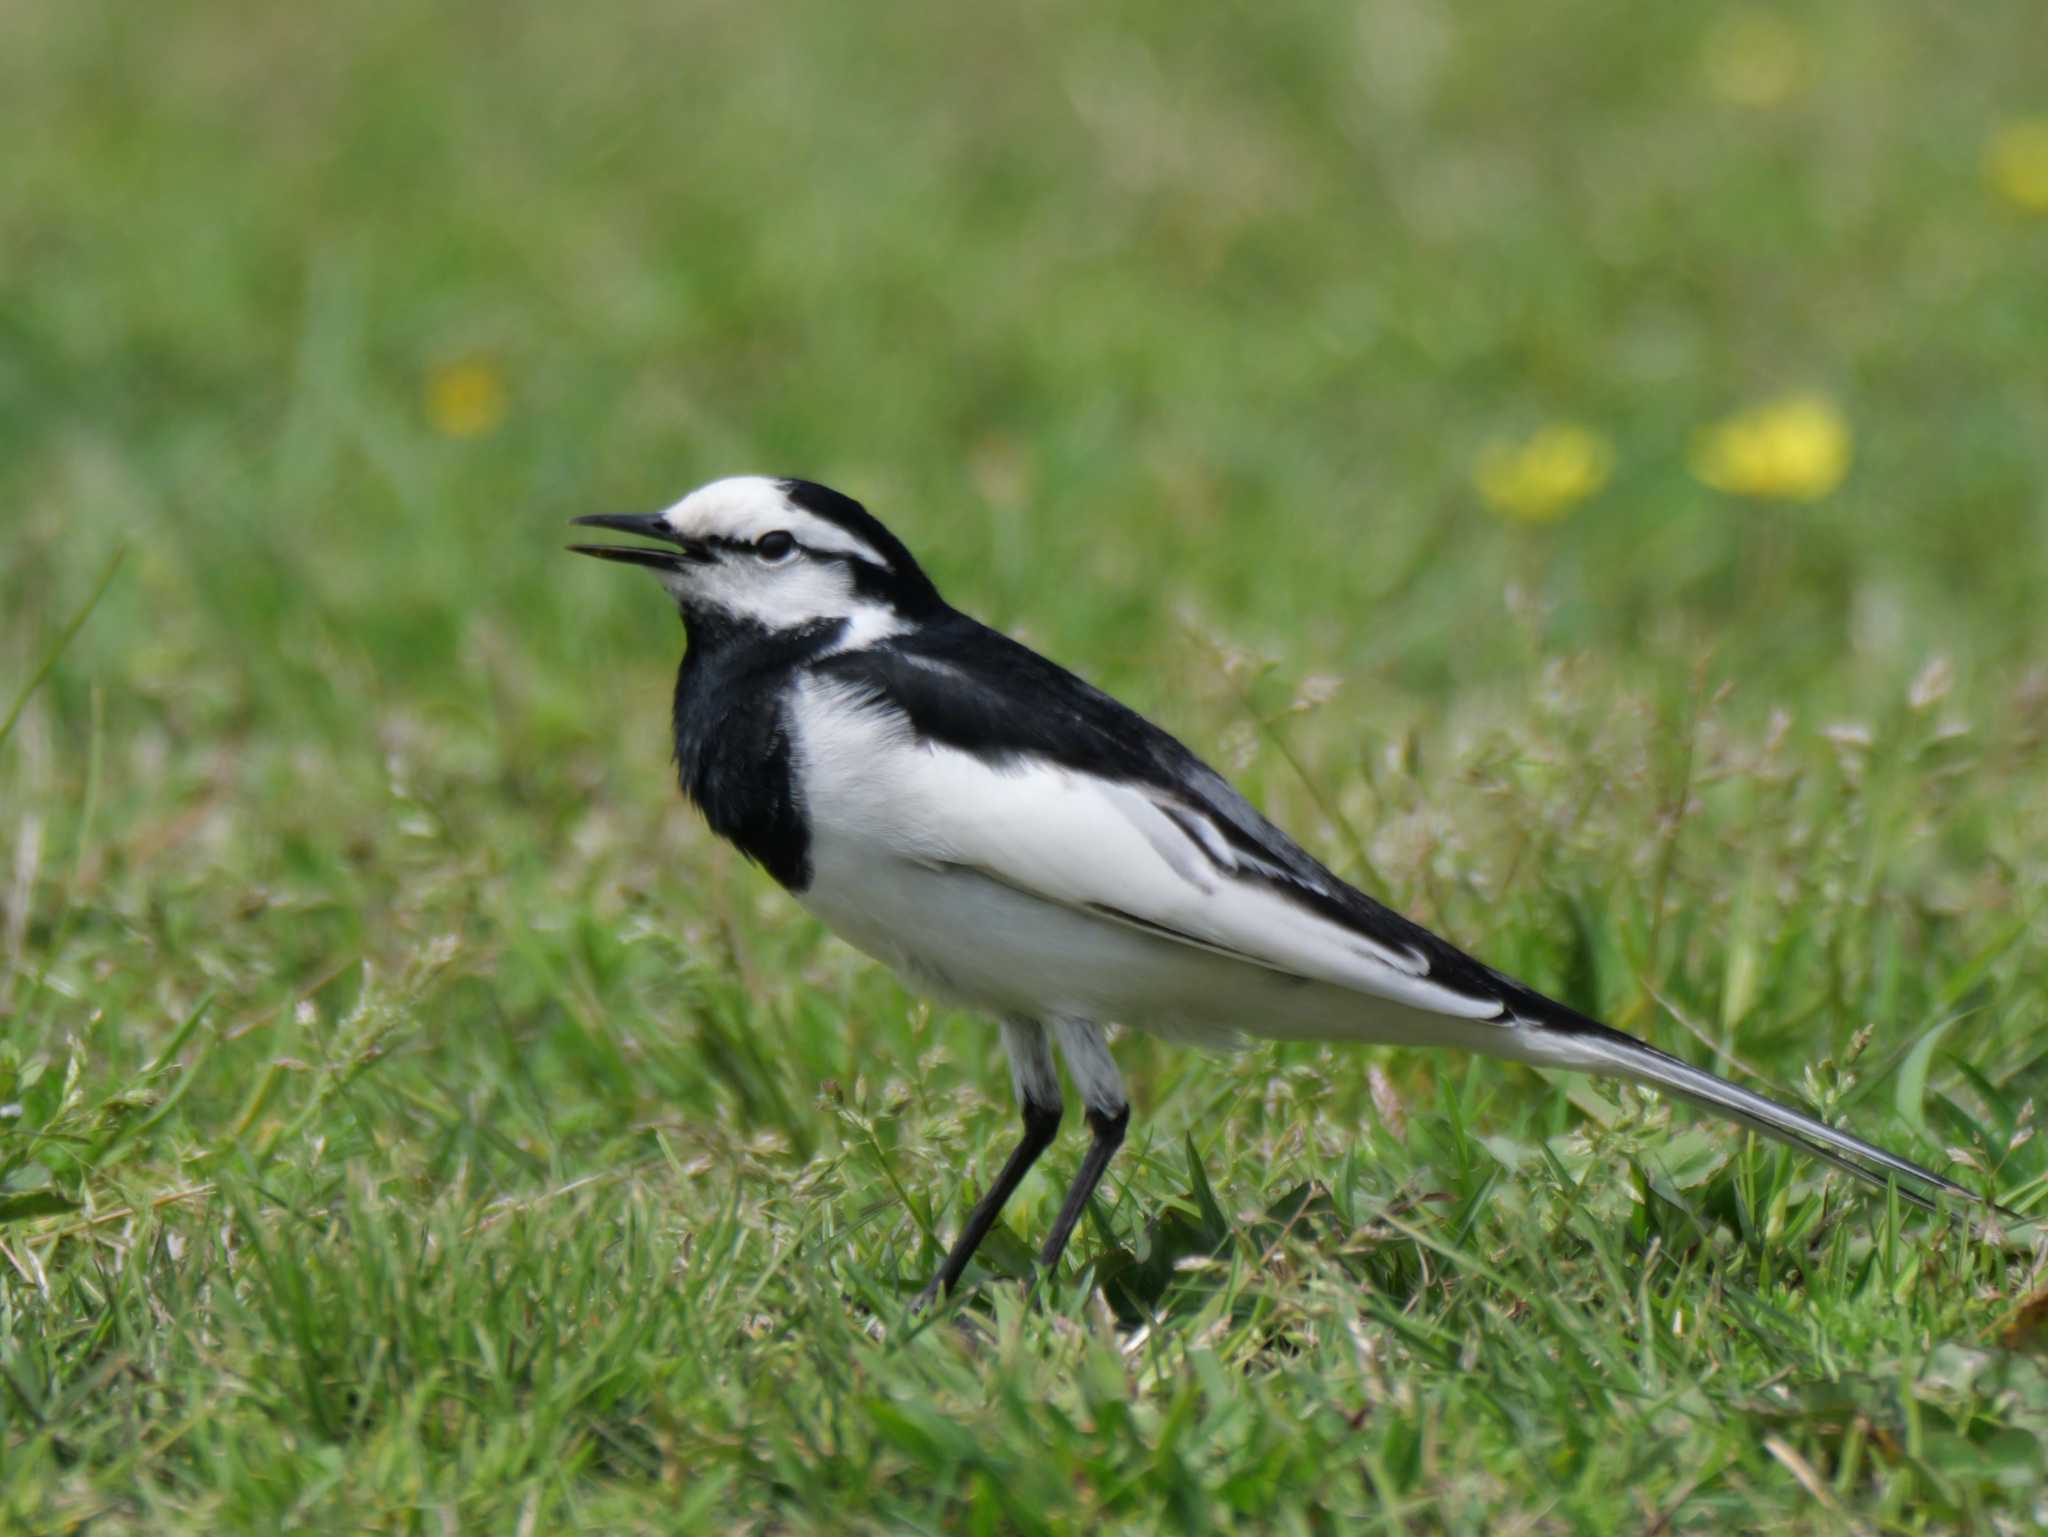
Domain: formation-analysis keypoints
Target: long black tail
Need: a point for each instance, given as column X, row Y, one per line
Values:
column 1574, row 1041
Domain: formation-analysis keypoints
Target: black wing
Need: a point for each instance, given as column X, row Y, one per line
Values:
column 967, row 687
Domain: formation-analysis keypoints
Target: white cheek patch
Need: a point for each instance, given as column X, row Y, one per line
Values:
column 780, row 597
column 786, row 596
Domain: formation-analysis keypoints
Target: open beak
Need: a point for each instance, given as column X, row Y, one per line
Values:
column 650, row 525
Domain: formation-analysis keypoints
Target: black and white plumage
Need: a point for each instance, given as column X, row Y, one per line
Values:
column 1009, row 837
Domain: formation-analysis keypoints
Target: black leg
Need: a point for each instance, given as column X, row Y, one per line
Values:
column 1109, row 1136
column 1041, row 1125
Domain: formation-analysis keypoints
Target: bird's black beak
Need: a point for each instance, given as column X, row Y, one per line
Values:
column 650, row 525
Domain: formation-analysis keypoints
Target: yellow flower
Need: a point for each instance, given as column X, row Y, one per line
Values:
column 1795, row 449
column 465, row 400
column 2016, row 162
column 1754, row 58
column 1542, row 477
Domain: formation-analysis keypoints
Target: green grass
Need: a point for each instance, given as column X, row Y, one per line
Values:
column 411, row 1120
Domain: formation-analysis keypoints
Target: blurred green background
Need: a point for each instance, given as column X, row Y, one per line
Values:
column 1584, row 466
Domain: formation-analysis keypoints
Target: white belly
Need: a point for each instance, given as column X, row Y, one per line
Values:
column 963, row 938
column 967, row 939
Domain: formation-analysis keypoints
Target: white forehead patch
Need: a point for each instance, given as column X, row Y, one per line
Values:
column 744, row 507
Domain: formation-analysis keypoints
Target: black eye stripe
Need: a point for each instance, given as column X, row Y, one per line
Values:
column 866, row 572
column 777, row 541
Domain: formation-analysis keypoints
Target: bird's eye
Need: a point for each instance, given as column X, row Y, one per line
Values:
column 775, row 547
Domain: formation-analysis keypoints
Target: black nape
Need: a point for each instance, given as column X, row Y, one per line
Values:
column 904, row 583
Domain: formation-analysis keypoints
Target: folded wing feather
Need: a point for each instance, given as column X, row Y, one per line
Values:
column 1131, row 856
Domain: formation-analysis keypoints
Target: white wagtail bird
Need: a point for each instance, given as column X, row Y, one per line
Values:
column 1008, row 837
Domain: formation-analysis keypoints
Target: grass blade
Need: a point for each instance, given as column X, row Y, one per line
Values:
column 63, row 642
